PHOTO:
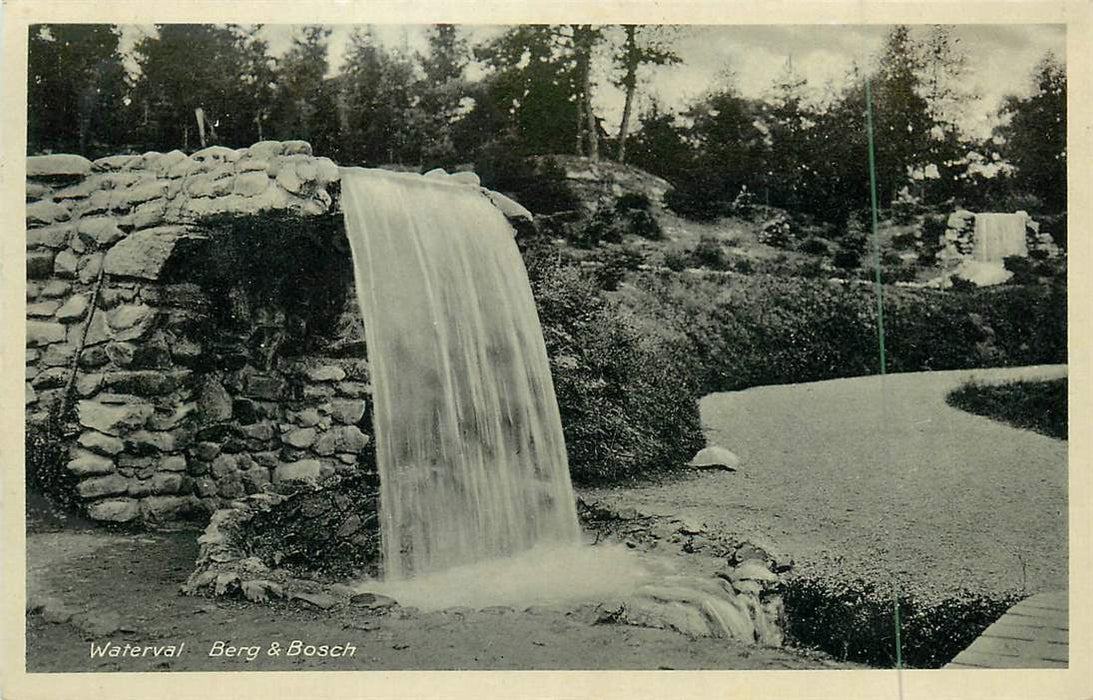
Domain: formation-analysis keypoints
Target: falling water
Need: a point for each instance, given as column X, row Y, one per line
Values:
column 469, row 443
column 998, row 236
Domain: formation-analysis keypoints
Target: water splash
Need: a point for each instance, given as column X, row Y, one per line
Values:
column 469, row 442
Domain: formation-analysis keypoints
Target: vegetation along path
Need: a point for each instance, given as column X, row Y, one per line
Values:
column 869, row 478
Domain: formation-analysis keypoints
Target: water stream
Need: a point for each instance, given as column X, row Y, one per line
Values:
column 469, row 443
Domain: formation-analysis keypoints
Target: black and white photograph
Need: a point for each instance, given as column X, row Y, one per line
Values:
column 559, row 346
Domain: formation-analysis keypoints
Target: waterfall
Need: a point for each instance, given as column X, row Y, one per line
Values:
column 469, row 443
column 998, row 236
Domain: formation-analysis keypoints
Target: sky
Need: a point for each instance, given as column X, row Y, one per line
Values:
column 1001, row 58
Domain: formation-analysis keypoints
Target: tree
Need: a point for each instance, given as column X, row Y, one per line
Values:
column 901, row 115
column 1034, row 135
column 76, row 88
column 534, row 85
column 789, row 122
column 643, row 45
column 225, row 70
column 381, row 119
column 443, row 90
column 584, row 38
column 305, row 106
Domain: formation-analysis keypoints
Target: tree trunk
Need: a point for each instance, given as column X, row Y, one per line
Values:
column 593, row 136
column 631, row 83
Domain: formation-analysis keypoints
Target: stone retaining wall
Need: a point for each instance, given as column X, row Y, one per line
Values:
column 168, row 430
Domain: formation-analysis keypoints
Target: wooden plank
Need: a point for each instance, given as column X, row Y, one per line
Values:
column 1008, row 629
column 998, row 661
column 1039, row 620
column 1032, row 634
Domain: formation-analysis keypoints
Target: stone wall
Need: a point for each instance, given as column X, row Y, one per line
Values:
column 171, row 419
column 185, row 379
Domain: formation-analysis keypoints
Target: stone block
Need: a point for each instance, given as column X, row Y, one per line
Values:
column 56, row 288
column 224, row 466
column 29, row 395
column 301, row 438
column 231, row 487
column 326, row 373
column 302, row 470
column 166, row 508
column 74, row 309
column 166, row 483
column 148, row 442
column 66, row 264
column 145, row 192
column 89, row 266
column 205, row 451
column 87, row 463
column 52, row 378
column 268, row 387
column 343, row 438
column 255, row 479
column 114, row 510
column 39, row 264
column 58, row 165
column 172, row 463
column 58, row 355
column 353, row 389
column 40, row 333
column 56, row 236
column 250, row 184
column 100, row 443
column 97, row 331
column 101, row 230
column 98, row 486
column 36, row 190
column 43, row 309
column 110, row 418
column 348, row 411
column 45, row 212
column 144, row 253
column 148, row 382
column 88, row 384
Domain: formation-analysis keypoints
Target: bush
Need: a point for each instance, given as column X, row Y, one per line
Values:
column 742, row 331
column 542, row 188
column 615, row 262
column 602, row 226
column 633, row 201
column 814, row 246
column 676, row 259
column 846, row 259
column 854, row 621
column 1039, row 406
column 47, row 458
column 644, row 224
column 627, row 410
column 709, row 252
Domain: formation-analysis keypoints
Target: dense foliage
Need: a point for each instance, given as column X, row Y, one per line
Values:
column 797, row 147
column 855, row 621
column 627, row 410
column 1038, row 406
column 737, row 331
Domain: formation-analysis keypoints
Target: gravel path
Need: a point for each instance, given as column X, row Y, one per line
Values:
column 863, row 477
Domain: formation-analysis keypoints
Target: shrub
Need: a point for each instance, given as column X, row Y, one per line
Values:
column 814, row 246
column 846, row 258
column 47, row 458
column 615, row 262
column 854, row 621
column 709, row 252
column 627, row 410
column 603, row 226
column 741, row 331
column 676, row 259
column 644, row 224
column 1039, row 406
column 633, row 201
column 542, row 187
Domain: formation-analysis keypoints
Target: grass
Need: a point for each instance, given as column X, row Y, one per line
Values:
column 1040, row 406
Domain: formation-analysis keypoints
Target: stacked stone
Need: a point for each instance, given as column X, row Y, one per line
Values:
column 1037, row 240
column 959, row 238
column 141, row 396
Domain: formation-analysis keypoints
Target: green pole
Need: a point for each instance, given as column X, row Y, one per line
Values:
column 880, row 317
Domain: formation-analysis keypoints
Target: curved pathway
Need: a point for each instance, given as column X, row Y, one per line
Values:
column 876, row 478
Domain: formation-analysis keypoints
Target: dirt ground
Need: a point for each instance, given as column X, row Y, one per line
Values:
column 855, row 477
column 123, row 588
